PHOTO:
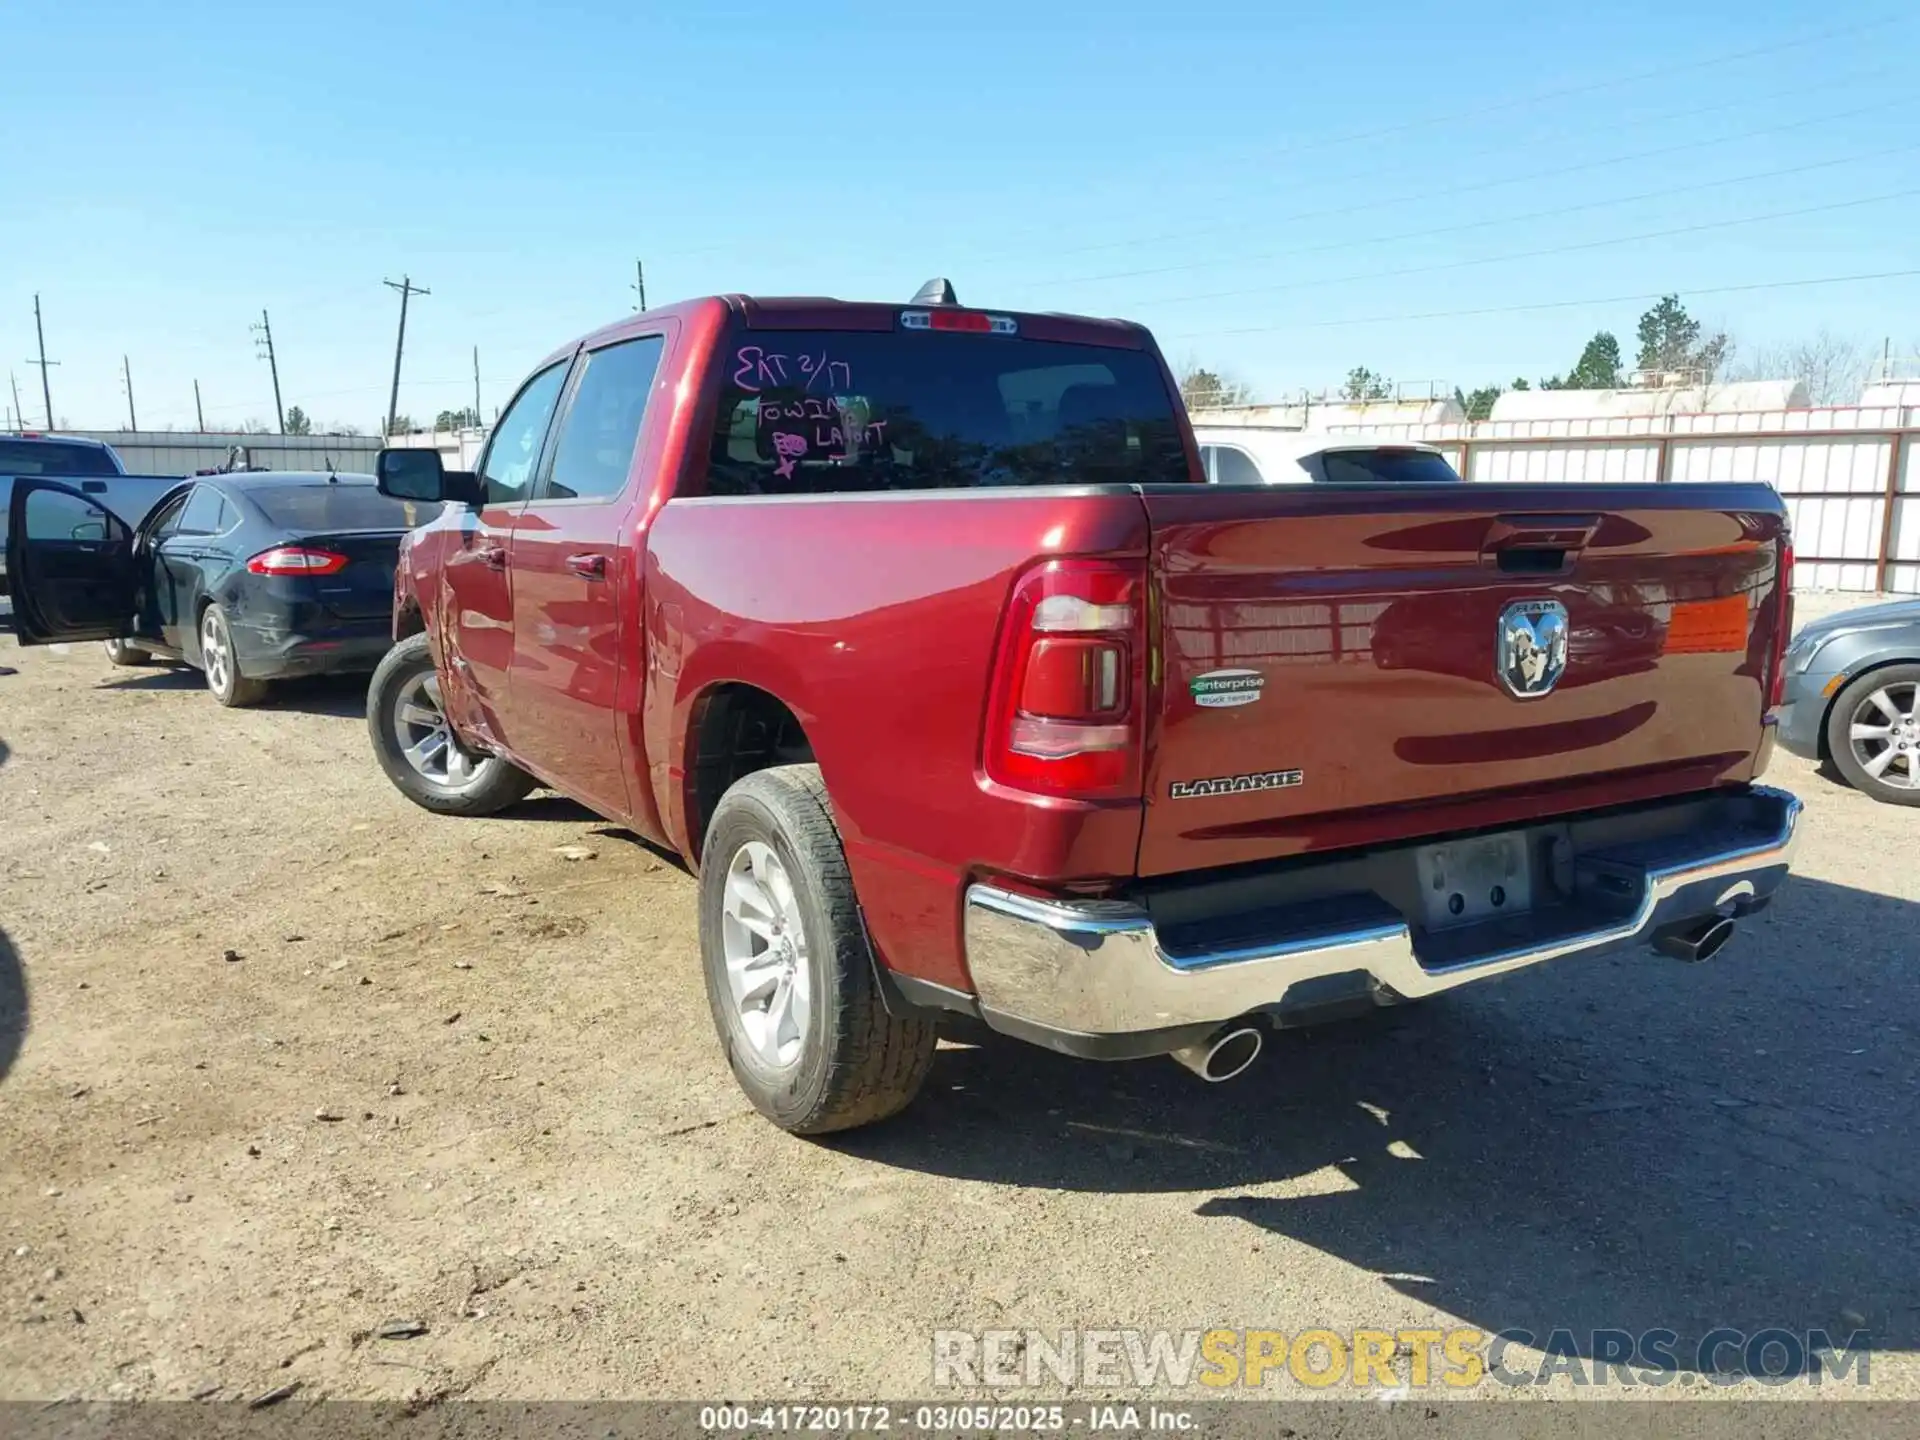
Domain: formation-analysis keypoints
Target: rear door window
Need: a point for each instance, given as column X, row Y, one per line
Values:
column 203, row 513
column 1390, row 466
column 826, row 412
column 593, row 450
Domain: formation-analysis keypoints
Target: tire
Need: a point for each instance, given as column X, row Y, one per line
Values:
column 125, row 653
column 846, row 1061
column 449, row 779
column 221, row 665
column 1888, row 700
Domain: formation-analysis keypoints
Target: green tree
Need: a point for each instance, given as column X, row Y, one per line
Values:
column 1203, row 389
column 1364, row 385
column 1672, row 340
column 1519, row 383
column 467, row 419
column 402, row 425
column 298, row 423
column 1479, row 403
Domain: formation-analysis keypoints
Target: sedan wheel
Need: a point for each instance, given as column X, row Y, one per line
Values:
column 1873, row 734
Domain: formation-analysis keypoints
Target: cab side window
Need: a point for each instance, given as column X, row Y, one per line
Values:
column 514, row 451
column 594, row 450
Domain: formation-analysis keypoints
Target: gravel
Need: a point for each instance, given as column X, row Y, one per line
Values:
column 1626, row 1143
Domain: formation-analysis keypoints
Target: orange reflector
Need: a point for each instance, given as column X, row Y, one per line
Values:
column 1704, row 626
column 1832, row 685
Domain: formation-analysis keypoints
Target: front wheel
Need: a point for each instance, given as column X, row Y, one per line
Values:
column 789, row 972
column 418, row 749
column 1873, row 734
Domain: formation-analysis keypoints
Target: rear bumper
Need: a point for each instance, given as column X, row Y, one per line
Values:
column 281, row 654
column 1097, row 978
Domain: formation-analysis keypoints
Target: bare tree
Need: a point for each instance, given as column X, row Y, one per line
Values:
column 1833, row 367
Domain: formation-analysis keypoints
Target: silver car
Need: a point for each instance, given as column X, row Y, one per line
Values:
column 1853, row 698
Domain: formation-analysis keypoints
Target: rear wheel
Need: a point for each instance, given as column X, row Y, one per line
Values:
column 125, row 652
column 789, row 971
column 222, row 666
column 1873, row 734
column 418, row 749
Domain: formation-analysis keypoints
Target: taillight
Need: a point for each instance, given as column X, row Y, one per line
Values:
column 1065, row 717
column 296, row 560
column 1782, row 627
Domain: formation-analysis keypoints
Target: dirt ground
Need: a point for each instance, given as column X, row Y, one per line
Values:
column 285, row 1060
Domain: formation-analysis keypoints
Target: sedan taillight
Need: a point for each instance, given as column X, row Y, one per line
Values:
column 296, row 560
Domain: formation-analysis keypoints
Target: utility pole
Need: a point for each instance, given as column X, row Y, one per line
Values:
column 46, row 392
column 476, row 387
column 19, row 415
column 640, row 283
column 199, row 415
column 126, row 377
column 407, row 289
column 263, row 333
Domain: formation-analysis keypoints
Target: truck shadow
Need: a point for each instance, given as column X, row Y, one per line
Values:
column 1623, row 1144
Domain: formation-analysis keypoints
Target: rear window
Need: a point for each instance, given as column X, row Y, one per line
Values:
column 320, row 507
column 51, row 457
column 816, row 412
column 1395, row 467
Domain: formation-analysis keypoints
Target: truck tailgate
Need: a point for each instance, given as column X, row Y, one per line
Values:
column 1332, row 657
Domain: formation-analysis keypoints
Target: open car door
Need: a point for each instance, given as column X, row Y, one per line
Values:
column 70, row 563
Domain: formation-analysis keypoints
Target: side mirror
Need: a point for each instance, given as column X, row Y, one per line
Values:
column 411, row 475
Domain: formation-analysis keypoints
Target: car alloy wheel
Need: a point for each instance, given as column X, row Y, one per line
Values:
column 426, row 739
column 765, row 945
column 1884, row 734
column 216, row 652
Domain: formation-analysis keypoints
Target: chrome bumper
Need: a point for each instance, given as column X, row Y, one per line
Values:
column 1069, row 972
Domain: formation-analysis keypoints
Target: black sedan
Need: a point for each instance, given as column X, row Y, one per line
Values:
column 247, row 577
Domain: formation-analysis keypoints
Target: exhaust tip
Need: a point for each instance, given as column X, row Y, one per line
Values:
column 1224, row 1056
column 1713, row 940
column 1697, row 942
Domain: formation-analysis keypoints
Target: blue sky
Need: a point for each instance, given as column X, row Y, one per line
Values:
column 1273, row 189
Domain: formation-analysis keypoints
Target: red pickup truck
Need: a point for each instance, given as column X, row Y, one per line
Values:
column 919, row 633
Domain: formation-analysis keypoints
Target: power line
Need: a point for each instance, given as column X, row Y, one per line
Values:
column 40, row 334
column 407, row 290
column 1535, row 254
column 1690, row 188
column 1450, row 191
column 264, row 330
column 1691, row 292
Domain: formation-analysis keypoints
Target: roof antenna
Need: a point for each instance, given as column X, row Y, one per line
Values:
column 333, row 477
column 937, row 291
